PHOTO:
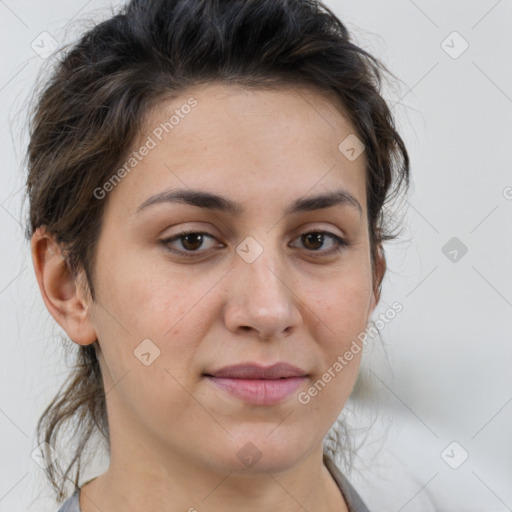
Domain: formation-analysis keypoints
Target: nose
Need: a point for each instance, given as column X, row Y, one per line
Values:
column 261, row 299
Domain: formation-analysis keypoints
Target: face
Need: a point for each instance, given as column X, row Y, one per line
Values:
column 274, row 278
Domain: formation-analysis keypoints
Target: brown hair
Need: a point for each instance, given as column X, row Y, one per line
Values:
column 93, row 106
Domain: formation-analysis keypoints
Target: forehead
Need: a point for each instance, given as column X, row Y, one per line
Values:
column 253, row 144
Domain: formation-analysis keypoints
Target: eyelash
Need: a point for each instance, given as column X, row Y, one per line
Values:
column 341, row 243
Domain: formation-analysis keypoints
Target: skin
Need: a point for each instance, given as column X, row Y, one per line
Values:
column 175, row 436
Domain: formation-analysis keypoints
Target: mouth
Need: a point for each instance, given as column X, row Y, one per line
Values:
column 258, row 385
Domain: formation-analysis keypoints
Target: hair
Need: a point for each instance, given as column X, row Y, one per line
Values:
column 92, row 108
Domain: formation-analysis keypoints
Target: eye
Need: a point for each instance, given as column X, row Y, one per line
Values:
column 189, row 240
column 313, row 240
column 192, row 241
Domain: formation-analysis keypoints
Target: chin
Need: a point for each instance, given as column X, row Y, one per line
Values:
column 259, row 452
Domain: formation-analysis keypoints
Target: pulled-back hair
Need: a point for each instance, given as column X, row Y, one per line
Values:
column 93, row 106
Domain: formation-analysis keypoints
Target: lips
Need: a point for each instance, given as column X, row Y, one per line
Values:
column 258, row 385
column 256, row 371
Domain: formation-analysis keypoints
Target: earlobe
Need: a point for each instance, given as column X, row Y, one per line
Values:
column 60, row 290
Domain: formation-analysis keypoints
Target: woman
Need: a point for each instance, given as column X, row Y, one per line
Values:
column 256, row 129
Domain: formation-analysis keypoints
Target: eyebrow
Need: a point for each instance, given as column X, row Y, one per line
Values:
column 210, row 201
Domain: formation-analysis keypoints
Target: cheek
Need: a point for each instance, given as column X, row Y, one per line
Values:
column 144, row 320
column 139, row 295
column 343, row 315
column 170, row 309
column 344, row 308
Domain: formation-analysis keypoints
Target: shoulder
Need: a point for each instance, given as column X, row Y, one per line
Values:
column 352, row 498
column 72, row 504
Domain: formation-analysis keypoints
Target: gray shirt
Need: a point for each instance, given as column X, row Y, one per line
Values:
column 353, row 500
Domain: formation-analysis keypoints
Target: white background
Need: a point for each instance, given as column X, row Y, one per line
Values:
column 450, row 350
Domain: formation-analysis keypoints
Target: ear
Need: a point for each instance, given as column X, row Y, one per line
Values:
column 379, row 269
column 62, row 294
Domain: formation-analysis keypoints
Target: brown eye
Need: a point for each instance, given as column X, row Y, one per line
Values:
column 191, row 242
column 313, row 241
